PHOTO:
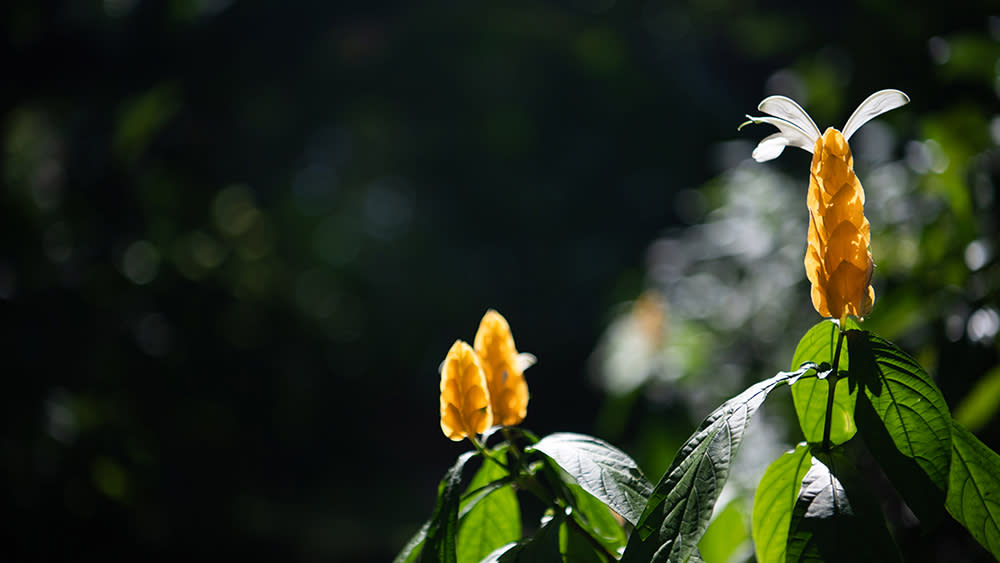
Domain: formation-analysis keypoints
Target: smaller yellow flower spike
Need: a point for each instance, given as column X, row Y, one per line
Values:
column 504, row 369
column 838, row 262
column 465, row 399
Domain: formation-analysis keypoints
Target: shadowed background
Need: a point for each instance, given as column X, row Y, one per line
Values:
column 238, row 238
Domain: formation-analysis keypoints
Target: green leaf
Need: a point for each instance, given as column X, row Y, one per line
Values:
column 835, row 517
column 681, row 505
column 542, row 547
column 439, row 538
column 488, row 520
column 819, row 345
column 601, row 469
column 597, row 519
column 974, row 488
column 921, row 494
column 727, row 536
column 411, row 551
column 774, row 500
column 575, row 547
column 907, row 402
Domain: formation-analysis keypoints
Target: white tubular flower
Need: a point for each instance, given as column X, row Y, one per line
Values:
column 797, row 129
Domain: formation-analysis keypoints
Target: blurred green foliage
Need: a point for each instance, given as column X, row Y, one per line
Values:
column 239, row 237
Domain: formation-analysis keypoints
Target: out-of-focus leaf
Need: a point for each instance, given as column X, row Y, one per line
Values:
column 835, row 517
column 726, row 535
column 681, row 505
column 907, row 402
column 981, row 403
column 974, row 488
column 819, row 345
column 601, row 469
column 490, row 521
column 438, row 542
column 774, row 500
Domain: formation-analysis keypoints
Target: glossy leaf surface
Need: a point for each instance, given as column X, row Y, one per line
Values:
column 601, row 469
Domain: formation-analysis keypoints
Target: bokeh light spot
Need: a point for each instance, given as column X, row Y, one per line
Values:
column 234, row 210
column 140, row 262
column 977, row 254
column 983, row 325
column 110, row 478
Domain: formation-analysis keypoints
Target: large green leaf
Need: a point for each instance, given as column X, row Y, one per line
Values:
column 681, row 505
column 836, row 518
column 774, row 500
column 974, row 488
column 436, row 539
column 921, row 494
column 601, row 469
column 819, row 345
column 489, row 520
column 907, row 402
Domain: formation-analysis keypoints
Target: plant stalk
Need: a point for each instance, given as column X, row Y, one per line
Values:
column 832, row 378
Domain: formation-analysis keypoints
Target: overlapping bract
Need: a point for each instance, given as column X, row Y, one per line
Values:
column 484, row 385
column 837, row 261
column 465, row 399
column 504, row 369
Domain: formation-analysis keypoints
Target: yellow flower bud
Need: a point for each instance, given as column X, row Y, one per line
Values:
column 465, row 398
column 837, row 261
column 504, row 369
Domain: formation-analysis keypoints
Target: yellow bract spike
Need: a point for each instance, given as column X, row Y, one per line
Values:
column 465, row 398
column 837, row 261
column 504, row 369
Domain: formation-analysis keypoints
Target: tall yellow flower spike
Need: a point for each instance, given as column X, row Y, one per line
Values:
column 838, row 262
column 465, row 398
column 504, row 369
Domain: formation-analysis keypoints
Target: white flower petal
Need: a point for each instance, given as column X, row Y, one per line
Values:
column 874, row 106
column 524, row 361
column 786, row 108
column 793, row 135
column 770, row 148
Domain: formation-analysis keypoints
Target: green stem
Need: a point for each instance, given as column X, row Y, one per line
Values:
column 485, row 453
column 832, row 378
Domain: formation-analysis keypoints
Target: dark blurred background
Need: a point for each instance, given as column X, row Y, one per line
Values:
column 237, row 239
